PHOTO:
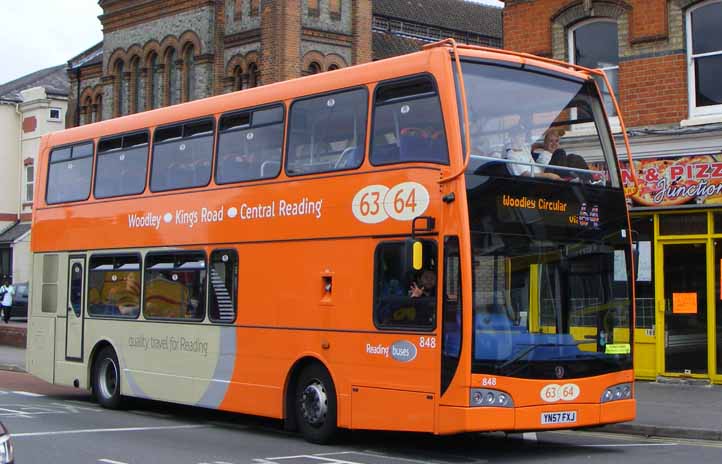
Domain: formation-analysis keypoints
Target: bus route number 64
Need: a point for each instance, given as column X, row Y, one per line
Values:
column 403, row 202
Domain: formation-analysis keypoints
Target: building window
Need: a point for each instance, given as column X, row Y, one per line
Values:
column 171, row 71
column 334, row 8
column 314, row 68
column 313, row 9
column 29, row 182
column 594, row 44
column 255, row 7
column 54, row 114
column 120, row 94
column 135, row 89
column 189, row 74
column 253, row 75
column 88, row 106
column 704, row 58
column 238, row 9
column 98, row 109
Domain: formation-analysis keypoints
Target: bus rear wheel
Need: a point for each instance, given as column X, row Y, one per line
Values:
column 106, row 379
column 316, row 405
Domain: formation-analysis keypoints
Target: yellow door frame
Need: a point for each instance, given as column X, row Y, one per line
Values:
column 660, row 242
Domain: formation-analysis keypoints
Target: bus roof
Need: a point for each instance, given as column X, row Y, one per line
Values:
column 433, row 57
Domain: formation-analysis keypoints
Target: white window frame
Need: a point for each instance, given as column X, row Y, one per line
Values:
column 60, row 114
column 694, row 110
column 29, row 182
column 614, row 125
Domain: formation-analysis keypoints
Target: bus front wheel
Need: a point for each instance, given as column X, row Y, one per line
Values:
column 106, row 379
column 316, row 405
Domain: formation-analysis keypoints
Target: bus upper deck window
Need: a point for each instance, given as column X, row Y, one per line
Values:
column 121, row 166
column 327, row 132
column 249, row 145
column 408, row 124
column 182, row 156
column 69, row 173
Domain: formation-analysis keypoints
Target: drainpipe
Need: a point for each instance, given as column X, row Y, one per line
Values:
column 77, row 97
column 19, row 204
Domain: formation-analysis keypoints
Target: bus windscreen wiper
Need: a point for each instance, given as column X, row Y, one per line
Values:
column 525, row 352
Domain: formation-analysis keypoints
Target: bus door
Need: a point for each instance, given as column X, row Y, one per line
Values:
column 74, row 308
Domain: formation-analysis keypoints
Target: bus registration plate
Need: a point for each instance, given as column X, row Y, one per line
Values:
column 566, row 417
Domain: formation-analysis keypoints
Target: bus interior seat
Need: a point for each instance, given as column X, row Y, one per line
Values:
column 386, row 154
column 269, row 168
column 493, row 169
column 351, row 157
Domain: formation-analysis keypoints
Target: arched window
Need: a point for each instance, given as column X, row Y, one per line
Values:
column 255, row 7
column 98, row 108
column 136, row 90
column 332, row 67
column 120, row 89
column 334, row 8
column 594, row 44
column 252, row 76
column 237, row 78
column 314, row 68
column 704, row 58
column 88, row 108
column 171, row 82
column 155, row 83
column 189, row 74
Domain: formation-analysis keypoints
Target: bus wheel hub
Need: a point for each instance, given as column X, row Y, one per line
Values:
column 314, row 403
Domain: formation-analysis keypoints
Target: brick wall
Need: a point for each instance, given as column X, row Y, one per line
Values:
column 652, row 70
column 655, row 90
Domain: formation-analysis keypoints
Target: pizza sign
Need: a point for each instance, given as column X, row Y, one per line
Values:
column 676, row 180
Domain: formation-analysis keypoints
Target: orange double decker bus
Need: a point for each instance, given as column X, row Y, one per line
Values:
column 399, row 245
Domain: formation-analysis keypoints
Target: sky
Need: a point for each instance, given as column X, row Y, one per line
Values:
column 61, row 29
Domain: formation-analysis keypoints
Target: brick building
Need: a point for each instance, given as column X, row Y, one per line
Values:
column 158, row 53
column 664, row 58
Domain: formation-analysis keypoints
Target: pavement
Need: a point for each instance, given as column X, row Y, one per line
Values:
column 665, row 408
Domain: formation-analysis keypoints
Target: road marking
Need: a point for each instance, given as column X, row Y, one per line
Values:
column 110, row 461
column 24, row 393
column 126, row 429
column 628, row 445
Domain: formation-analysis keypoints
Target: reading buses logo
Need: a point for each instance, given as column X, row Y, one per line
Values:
column 402, row 350
column 403, row 202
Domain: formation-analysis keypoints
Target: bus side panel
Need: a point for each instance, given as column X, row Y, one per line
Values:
column 41, row 322
column 40, row 350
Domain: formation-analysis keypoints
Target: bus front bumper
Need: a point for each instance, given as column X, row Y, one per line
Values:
column 488, row 419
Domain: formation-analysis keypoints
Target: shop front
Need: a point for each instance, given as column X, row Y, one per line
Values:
column 677, row 224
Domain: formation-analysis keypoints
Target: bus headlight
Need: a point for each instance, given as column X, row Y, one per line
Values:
column 623, row 391
column 486, row 397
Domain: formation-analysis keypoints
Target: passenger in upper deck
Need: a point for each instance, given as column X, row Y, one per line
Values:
column 519, row 153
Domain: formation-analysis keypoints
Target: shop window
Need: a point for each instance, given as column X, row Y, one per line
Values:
column 327, row 133
column 704, row 57
column 594, row 44
column 717, row 223
column 404, row 301
column 683, row 224
column 174, row 285
column 643, row 236
column 249, row 145
column 69, row 173
column 408, row 125
column 114, row 286
column 224, row 286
